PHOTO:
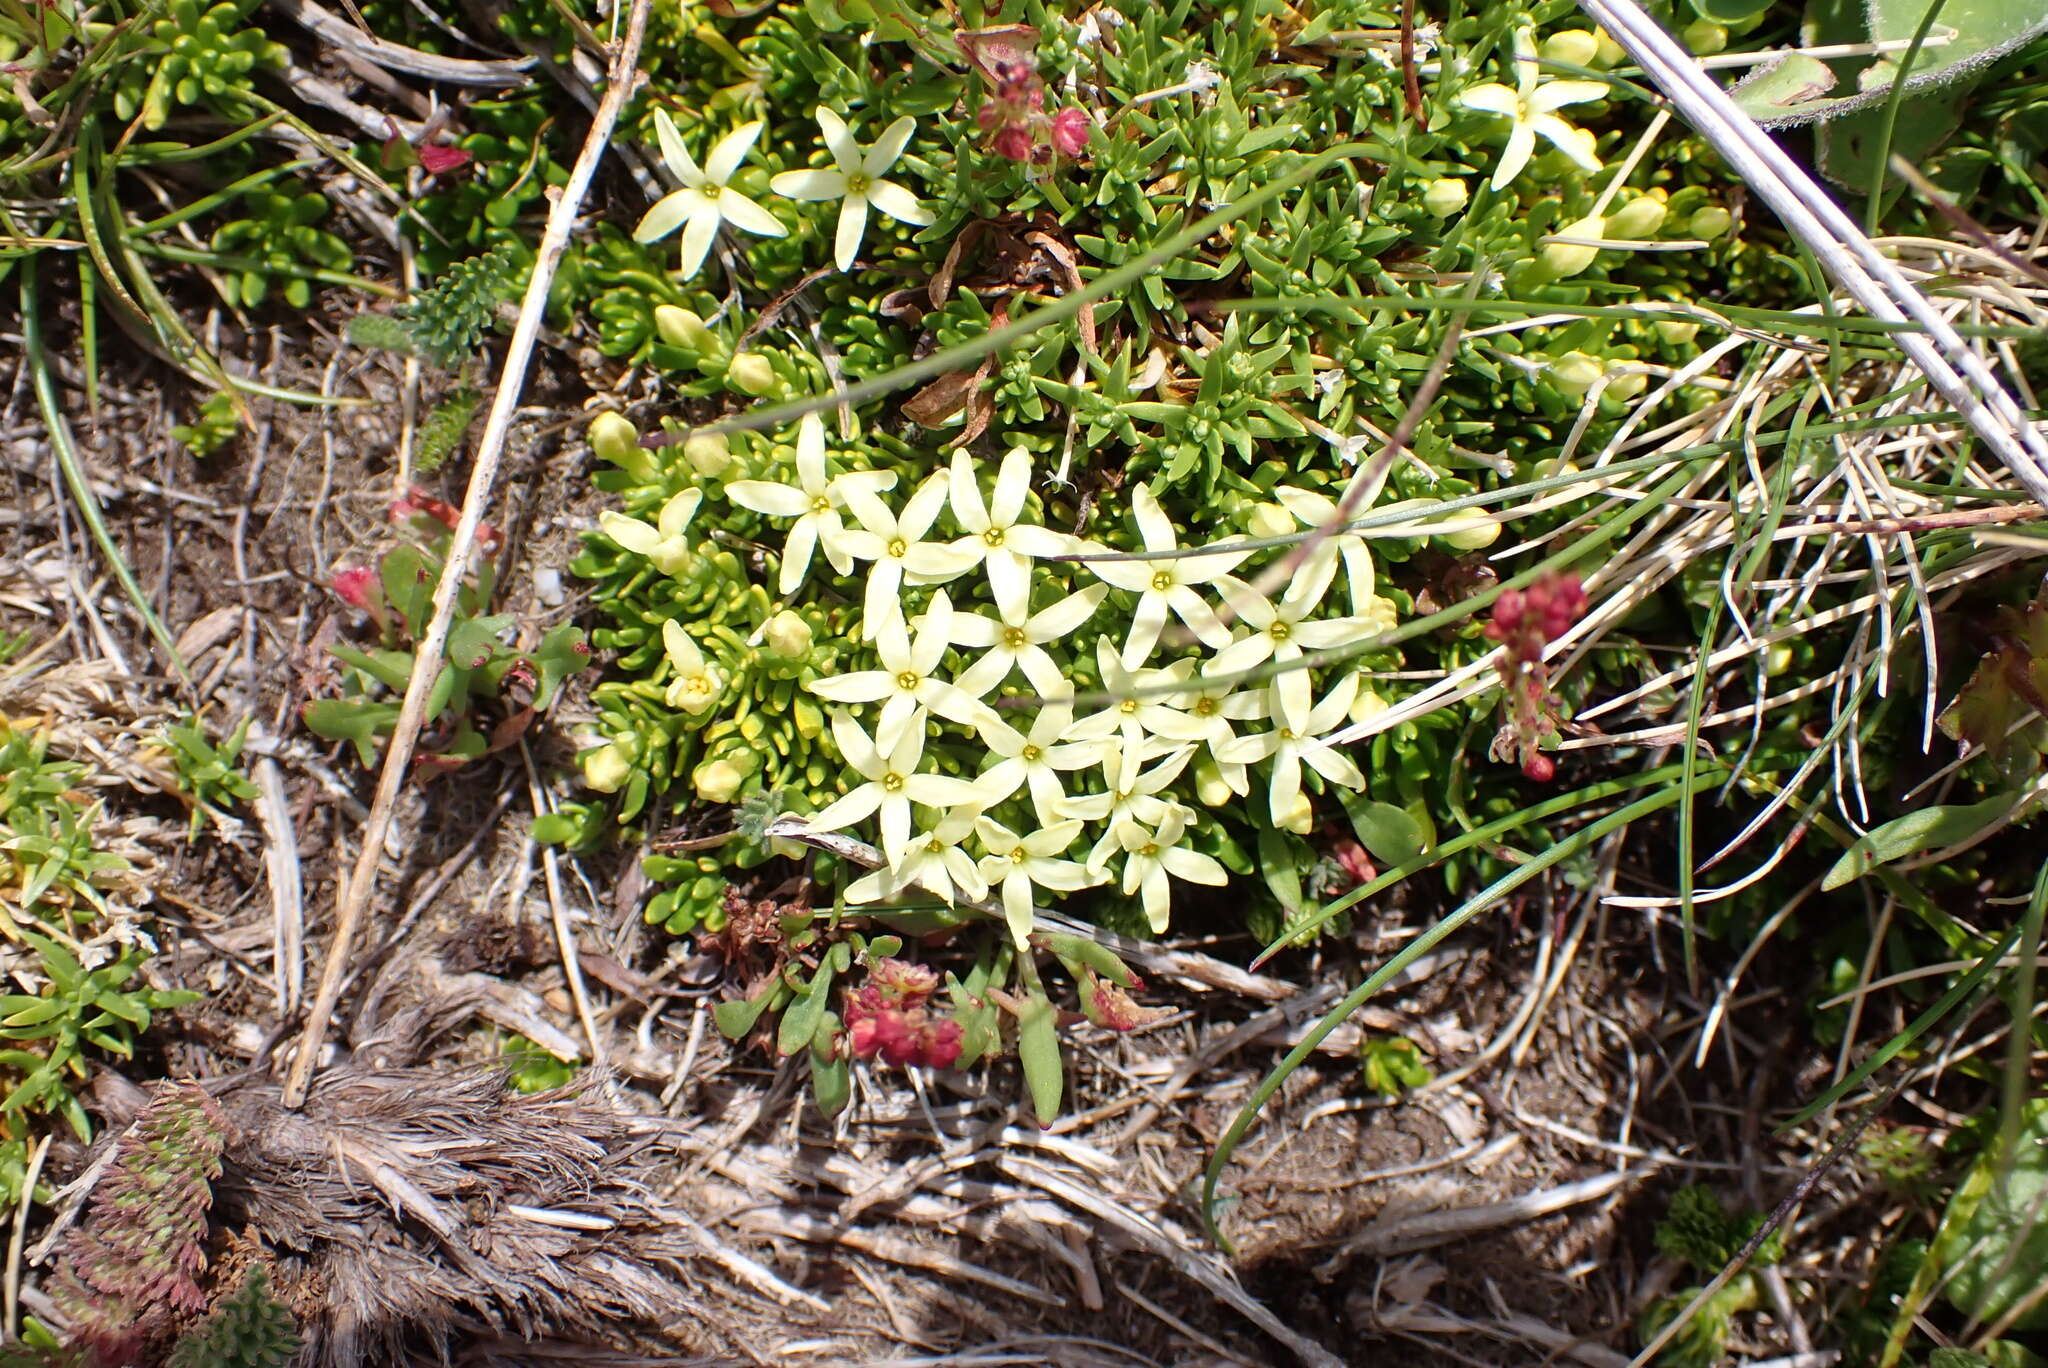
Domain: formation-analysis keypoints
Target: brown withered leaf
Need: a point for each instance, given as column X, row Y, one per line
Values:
column 988, row 50
column 942, row 398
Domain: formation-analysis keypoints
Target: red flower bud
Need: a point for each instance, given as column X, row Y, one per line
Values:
column 1014, row 143
column 1539, row 767
column 1070, row 130
column 355, row 583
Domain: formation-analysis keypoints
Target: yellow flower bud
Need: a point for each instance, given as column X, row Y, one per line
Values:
column 1626, row 385
column 1575, row 372
column 1471, row 538
column 1270, row 520
column 1675, row 332
column 1210, row 786
column 708, row 454
column 1300, row 817
column 1367, row 706
column 788, row 635
column 606, row 769
column 682, row 328
column 718, row 781
column 1778, row 658
column 1610, row 53
column 1704, row 37
column 752, row 373
column 1569, row 258
column 615, row 439
column 1575, row 46
column 1641, row 217
column 1710, row 222
column 1446, row 197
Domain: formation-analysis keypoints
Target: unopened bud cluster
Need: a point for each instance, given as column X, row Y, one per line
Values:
column 1017, row 124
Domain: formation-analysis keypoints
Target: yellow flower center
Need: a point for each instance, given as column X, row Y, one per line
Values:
column 710, row 192
column 1280, row 629
column 1019, row 855
column 821, row 505
column 1030, row 754
column 892, row 782
column 1150, row 850
column 994, row 536
column 1129, row 707
column 857, row 183
column 935, row 846
column 1014, row 638
column 898, row 548
column 908, row 681
column 1162, row 580
column 1205, row 706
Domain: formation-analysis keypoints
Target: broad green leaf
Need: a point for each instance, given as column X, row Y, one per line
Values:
column 1038, row 1048
column 1928, row 829
column 407, row 587
column 393, row 669
column 1279, row 867
column 357, row 721
column 831, row 1075
column 737, row 1018
column 1994, row 1237
column 800, row 1022
column 472, row 641
column 1390, row 834
column 562, row 653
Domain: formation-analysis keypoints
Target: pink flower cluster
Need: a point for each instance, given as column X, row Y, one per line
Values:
column 1525, row 621
column 1018, row 125
column 889, row 1017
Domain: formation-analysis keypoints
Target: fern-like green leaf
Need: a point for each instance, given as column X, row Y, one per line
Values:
column 448, row 318
column 441, row 436
column 249, row 1328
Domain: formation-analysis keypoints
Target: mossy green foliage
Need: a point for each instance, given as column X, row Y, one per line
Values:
column 248, row 1328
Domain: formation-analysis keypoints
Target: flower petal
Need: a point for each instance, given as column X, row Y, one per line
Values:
column 674, row 152
column 729, row 152
column 1064, row 618
column 1199, row 616
column 630, row 533
column 763, row 496
column 899, row 204
column 1147, row 622
column 796, row 555
column 1153, row 524
column 854, row 745
column 862, row 686
column 809, row 185
column 1013, row 483
column 697, row 235
column 853, row 807
column 1567, row 139
column 1515, row 156
column 667, row 215
column 742, row 212
column 933, row 563
column 888, row 147
column 1493, row 98
column 934, row 634
column 838, row 141
column 853, row 223
column 984, row 674
column 1029, row 539
column 1557, row 94
column 1009, row 580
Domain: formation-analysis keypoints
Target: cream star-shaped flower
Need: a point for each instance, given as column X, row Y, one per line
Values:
column 1203, row 714
column 893, row 541
column 814, row 501
column 1165, row 587
column 933, row 861
column 1018, row 642
column 706, row 200
column 893, row 784
column 1320, row 510
column 1282, row 631
column 1017, row 864
column 857, row 183
column 1532, row 104
column 663, row 543
column 696, row 685
column 905, row 685
column 1035, row 759
column 1004, row 545
column 1150, row 857
column 1299, row 739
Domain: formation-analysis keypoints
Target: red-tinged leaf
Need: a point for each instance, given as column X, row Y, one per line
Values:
column 439, row 160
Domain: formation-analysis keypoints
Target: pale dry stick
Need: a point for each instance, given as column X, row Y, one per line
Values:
column 1953, row 367
column 565, row 936
column 20, row 1235
column 1181, row 1327
column 562, row 216
column 287, row 887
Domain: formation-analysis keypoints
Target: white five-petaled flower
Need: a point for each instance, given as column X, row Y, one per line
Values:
column 1297, row 739
column 706, row 200
column 1142, row 711
column 1532, row 104
column 1320, row 510
column 814, row 501
column 893, row 542
column 1004, row 545
column 1282, row 631
column 893, row 784
column 1204, row 713
column 1018, row 642
column 1165, row 586
column 1018, row 863
column 697, row 683
column 1131, row 794
column 1151, row 856
column 933, row 861
column 905, row 685
column 857, row 183
column 663, row 543
column 1035, row 759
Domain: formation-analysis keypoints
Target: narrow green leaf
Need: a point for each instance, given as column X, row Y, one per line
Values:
column 1038, row 1047
column 1927, row 829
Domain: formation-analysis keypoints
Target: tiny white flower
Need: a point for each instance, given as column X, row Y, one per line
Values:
column 1297, row 739
column 1018, row 863
column 1018, row 642
column 1142, row 712
column 1131, row 794
column 857, row 183
column 1151, row 856
column 1531, row 103
column 1035, row 759
column 1166, row 587
column 706, row 200
column 933, row 861
column 893, row 784
column 1320, row 510
column 697, row 684
column 814, row 501
column 1203, row 714
column 1004, row 545
column 1282, row 631
column 663, row 543
column 905, row 685
column 894, row 542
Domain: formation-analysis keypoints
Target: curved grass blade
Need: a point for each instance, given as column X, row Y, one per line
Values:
column 74, row 473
